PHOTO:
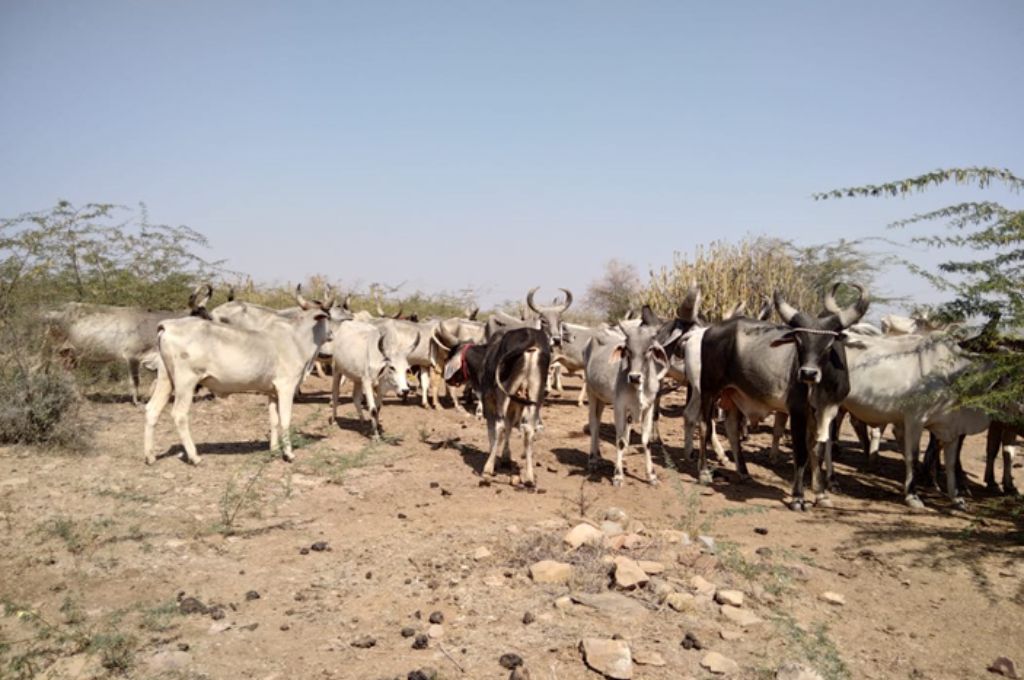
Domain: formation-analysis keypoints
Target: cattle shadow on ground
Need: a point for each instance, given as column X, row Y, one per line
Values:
column 111, row 398
column 994, row 537
column 361, row 427
column 252, row 446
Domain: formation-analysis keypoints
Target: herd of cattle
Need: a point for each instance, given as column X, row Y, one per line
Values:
column 812, row 369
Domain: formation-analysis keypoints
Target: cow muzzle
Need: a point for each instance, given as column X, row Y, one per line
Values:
column 633, row 378
column 810, row 375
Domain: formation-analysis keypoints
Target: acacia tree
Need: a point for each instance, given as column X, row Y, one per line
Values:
column 615, row 292
column 988, row 287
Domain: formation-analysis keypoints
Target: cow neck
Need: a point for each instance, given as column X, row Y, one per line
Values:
column 462, row 359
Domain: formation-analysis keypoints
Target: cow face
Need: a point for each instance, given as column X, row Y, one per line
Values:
column 395, row 367
column 641, row 358
column 818, row 340
column 551, row 317
column 322, row 333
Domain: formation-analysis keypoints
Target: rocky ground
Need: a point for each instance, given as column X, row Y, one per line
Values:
column 397, row 560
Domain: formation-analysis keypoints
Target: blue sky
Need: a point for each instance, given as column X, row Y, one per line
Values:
column 502, row 145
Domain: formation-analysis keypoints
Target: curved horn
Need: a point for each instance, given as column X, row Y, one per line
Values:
column 415, row 343
column 529, row 299
column 766, row 309
column 380, row 344
column 568, row 299
column 231, row 294
column 689, row 308
column 376, row 299
column 200, row 296
column 737, row 310
column 830, row 300
column 474, row 313
column 299, row 299
column 786, row 310
column 852, row 314
column 348, row 302
column 398, row 314
column 444, row 336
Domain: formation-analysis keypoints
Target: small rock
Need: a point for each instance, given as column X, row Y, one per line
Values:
column 168, row 662
column 718, row 664
column 583, row 534
column 420, row 642
column 761, row 530
column 303, row 551
column 628, row 573
column 633, row 541
column 673, row 536
column 741, row 617
column 510, row 661
column 408, row 632
column 549, row 571
column 833, row 598
column 319, row 546
column 702, row 586
column 651, row 568
column 730, row 635
column 690, row 641
column 614, row 514
column 528, row 618
column 436, row 617
column 520, row 673
column 1005, row 667
column 681, row 602
column 481, row 553
column 364, row 642
column 764, row 552
column 435, row 631
column 611, row 529
column 191, row 605
column 733, row 597
column 217, row 613
column 707, row 542
column 645, row 657
column 421, row 674
column 284, row 626
column 563, row 603
column 252, row 595
column 218, row 627
column 795, row 671
column 661, row 588
column 610, row 657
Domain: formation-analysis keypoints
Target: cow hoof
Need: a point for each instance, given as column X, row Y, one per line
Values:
column 914, row 502
column 194, row 461
column 1011, row 491
column 617, row 482
column 797, row 505
column 824, row 502
column 744, row 477
column 960, row 503
column 705, row 477
column 150, row 460
column 288, row 457
column 653, row 481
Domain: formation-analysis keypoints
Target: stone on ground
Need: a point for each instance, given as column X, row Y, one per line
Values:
column 732, row 597
column 583, row 534
column 550, row 571
column 628, row 573
column 741, row 617
column 719, row 665
column 609, row 657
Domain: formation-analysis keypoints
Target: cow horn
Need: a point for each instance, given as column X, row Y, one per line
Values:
column 689, row 308
column 398, row 314
column 231, row 294
column 376, row 299
column 299, row 299
column 444, row 336
column 786, row 310
column 380, row 344
column 847, row 315
column 648, row 317
column 568, row 299
column 737, row 310
column 529, row 299
column 766, row 309
column 200, row 296
column 348, row 302
column 415, row 343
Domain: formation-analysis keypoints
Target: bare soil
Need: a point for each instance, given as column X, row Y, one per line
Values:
column 98, row 553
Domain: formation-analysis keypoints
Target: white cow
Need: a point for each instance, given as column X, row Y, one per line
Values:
column 229, row 360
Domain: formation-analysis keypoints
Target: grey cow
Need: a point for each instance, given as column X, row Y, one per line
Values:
column 627, row 374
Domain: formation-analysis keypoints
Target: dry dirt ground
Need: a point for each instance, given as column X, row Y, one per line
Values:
column 100, row 553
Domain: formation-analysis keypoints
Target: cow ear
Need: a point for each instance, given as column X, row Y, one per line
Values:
column 658, row 352
column 616, row 354
column 784, row 339
column 451, row 367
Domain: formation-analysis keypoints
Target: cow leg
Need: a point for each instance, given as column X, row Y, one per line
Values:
column 951, row 460
column 798, row 434
column 583, row 393
column 1008, row 453
column 732, row 430
column 494, row 426
column 778, row 429
column 623, row 430
column 596, row 407
column 275, row 422
column 646, row 424
column 822, row 450
column 706, row 417
column 691, row 417
column 183, row 390
column 528, row 419
column 993, row 442
column 357, row 398
column 161, row 395
column 715, row 444
column 284, row 411
column 133, row 377
column 655, row 417
column 424, row 388
column 911, row 450
column 336, row 378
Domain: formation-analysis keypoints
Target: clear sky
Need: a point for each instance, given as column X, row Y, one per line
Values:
column 501, row 144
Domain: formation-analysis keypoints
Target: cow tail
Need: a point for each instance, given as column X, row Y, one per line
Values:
column 164, row 363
